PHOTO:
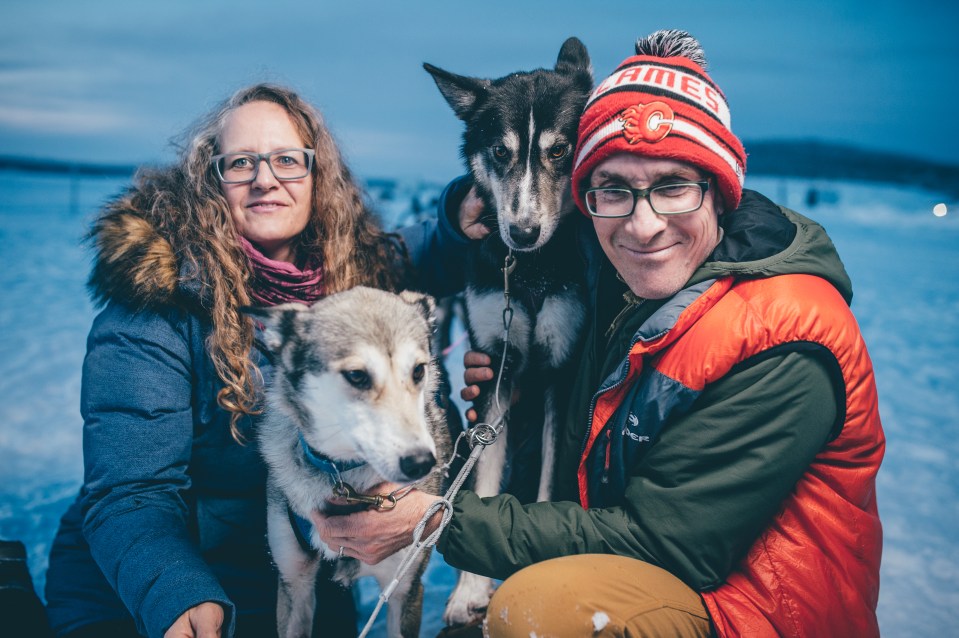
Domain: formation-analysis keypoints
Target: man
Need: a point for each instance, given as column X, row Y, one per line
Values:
column 716, row 471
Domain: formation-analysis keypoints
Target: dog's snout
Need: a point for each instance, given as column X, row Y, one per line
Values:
column 524, row 236
column 418, row 465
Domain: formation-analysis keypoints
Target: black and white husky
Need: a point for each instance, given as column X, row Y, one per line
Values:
column 518, row 145
column 351, row 404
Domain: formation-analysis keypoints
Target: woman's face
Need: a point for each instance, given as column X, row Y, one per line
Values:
column 268, row 212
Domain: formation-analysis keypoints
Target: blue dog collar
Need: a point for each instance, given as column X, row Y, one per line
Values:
column 302, row 529
column 326, row 464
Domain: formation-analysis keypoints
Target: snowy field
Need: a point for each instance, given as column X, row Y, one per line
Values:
column 904, row 262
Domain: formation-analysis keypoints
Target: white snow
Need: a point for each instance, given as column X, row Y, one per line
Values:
column 903, row 260
column 600, row 620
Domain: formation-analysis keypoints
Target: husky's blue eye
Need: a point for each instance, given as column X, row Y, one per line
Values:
column 359, row 379
column 500, row 152
column 419, row 372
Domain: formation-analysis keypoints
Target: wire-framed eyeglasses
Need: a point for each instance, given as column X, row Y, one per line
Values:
column 285, row 164
column 674, row 198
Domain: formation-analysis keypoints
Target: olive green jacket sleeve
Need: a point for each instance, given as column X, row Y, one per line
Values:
column 694, row 503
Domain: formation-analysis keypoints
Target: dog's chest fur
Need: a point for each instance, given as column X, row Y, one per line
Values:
column 546, row 294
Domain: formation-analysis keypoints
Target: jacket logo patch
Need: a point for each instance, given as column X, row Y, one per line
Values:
column 647, row 122
column 632, row 421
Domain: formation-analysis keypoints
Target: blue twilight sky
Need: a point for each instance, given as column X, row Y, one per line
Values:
column 114, row 80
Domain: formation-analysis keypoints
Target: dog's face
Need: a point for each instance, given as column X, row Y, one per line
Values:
column 519, row 141
column 353, row 372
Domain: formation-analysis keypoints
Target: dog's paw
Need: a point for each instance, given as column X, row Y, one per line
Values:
column 469, row 600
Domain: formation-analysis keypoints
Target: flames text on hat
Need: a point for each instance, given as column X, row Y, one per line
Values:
column 673, row 82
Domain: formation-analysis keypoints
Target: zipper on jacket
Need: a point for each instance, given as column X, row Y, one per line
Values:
column 609, row 445
column 603, row 390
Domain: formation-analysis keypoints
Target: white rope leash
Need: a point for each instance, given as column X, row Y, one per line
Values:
column 480, row 436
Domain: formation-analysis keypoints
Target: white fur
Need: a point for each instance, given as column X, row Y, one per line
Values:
column 511, row 141
column 485, row 311
column 527, row 211
column 558, row 326
column 469, row 599
column 394, row 401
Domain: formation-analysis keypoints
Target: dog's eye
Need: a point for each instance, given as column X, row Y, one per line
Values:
column 419, row 372
column 558, row 151
column 500, row 152
column 359, row 379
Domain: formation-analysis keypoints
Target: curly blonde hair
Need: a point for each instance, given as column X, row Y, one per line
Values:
column 342, row 236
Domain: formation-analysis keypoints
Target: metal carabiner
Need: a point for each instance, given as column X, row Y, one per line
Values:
column 381, row 502
column 509, row 265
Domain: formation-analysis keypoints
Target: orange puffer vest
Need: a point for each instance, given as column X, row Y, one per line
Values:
column 814, row 570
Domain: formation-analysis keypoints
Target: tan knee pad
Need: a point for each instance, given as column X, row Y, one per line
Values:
column 595, row 595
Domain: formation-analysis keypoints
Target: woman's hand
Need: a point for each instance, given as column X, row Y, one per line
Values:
column 471, row 210
column 203, row 621
column 372, row 535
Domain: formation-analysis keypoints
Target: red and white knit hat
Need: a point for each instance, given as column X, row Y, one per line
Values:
column 660, row 103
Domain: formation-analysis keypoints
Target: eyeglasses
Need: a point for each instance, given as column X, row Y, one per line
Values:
column 665, row 199
column 285, row 164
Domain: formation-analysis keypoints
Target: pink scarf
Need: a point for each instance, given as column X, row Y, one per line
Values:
column 276, row 282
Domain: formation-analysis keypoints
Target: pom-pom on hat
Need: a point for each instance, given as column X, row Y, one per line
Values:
column 660, row 103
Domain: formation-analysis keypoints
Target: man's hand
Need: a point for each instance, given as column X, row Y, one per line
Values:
column 372, row 535
column 471, row 210
column 477, row 368
column 203, row 621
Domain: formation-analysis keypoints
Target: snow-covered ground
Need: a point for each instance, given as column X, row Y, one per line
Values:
column 904, row 262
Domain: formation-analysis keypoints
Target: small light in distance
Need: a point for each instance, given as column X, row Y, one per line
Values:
column 940, row 210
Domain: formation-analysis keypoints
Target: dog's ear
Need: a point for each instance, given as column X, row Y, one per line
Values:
column 277, row 322
column 574, row 59
column 462, row 93
column 424, row 303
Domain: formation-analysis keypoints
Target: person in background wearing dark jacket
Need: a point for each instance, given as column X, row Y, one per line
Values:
column 168, row 534
column 716, row 470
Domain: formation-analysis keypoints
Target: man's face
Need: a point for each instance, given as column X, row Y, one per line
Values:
column 655, row 254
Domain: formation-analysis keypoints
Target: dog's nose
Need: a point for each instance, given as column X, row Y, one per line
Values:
column 418, row 465
column 524, row 236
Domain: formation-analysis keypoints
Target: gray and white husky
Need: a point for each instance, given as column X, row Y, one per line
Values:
column 351, row 402
column 518, row 142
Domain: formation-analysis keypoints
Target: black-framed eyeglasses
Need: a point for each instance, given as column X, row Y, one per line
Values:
column 674, row 198
column 285, row 164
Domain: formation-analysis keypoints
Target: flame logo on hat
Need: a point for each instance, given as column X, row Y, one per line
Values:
column 647, row 122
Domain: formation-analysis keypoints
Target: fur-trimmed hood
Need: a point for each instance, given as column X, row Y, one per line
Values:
column 134, row 262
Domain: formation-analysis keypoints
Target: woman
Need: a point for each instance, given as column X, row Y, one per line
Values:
column 167, row 536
